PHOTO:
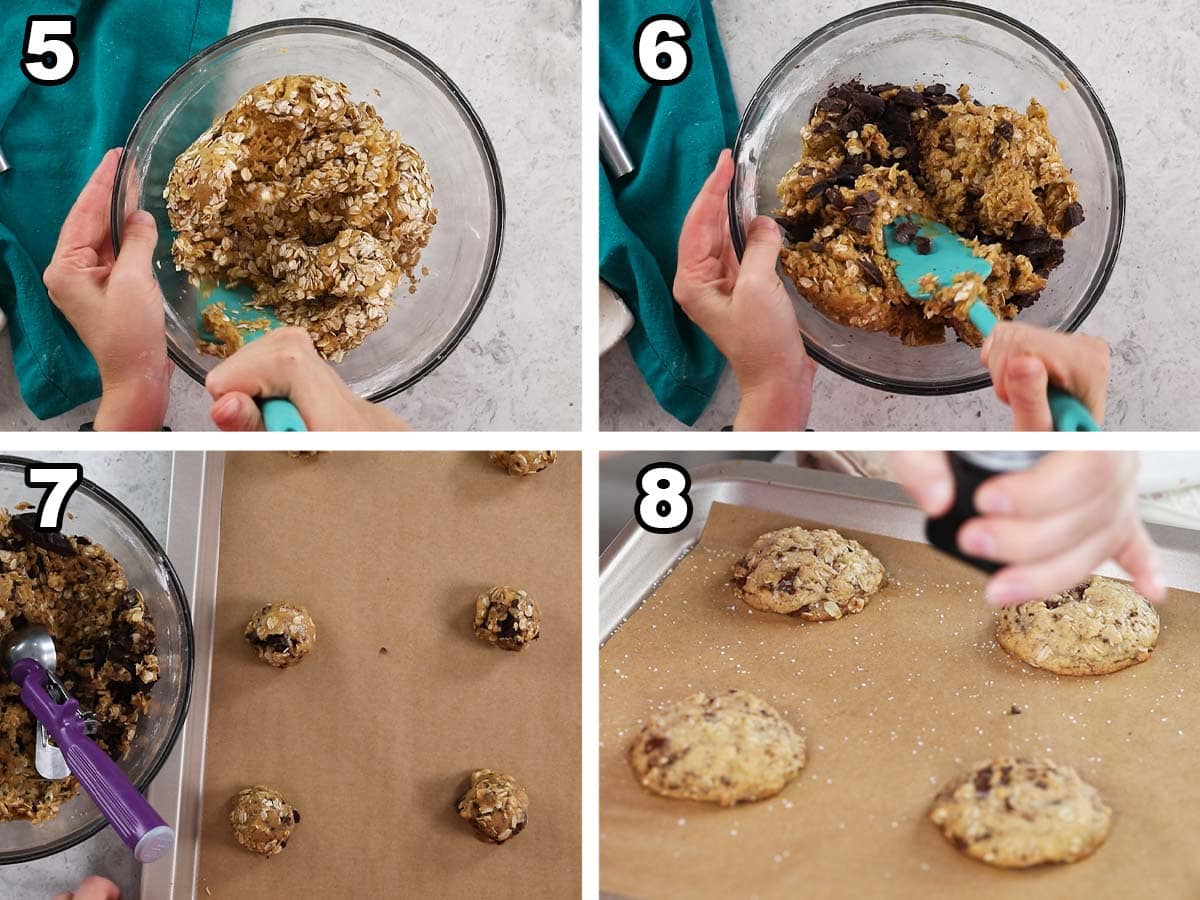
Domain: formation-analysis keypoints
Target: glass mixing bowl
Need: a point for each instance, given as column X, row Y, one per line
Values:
column 413, row 96
column 104, row 519
column 1004, row 62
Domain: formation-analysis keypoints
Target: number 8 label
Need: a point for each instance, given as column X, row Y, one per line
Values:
column 663, row 505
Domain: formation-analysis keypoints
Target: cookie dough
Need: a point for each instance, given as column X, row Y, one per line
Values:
column 105, row 639
column 1097, row 627
column 816, row 575
column 1017, row 812
column 508, row 618
column 281, row 634
column 262, row 820
column 308, row 197
column 523, row 462
column 725, row 748
column 496, row 805
column 876, row 154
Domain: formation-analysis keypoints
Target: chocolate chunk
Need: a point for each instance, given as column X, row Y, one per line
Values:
column 923, row 244
column 835, row 105
column 995, row 146
column 983, row 780
column 871, row 271
column 817, row 188
column 1072, row 217
column 1004, row 129
column 383, row 651
column 655, row 743
column 905, row 232
column 909, row 98
column 800, row 229
column 852, row 120
column 823, row 127
column 870, row 198
column 860, row 223
column 833, row 197
column 816, row 246
column 883, row 88
column 934, row 90
column 1015, row 711
column 56, row 542
column 296, row 816
column 787, row 584
column 871, row 106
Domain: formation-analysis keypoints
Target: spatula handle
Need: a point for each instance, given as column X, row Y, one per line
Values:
column 281, row 415
column 1066, row 411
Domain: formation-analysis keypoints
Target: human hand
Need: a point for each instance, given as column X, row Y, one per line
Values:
column 93, row 888
column 1051, row 525
column 114, row 304
column 744, row 308
column 284, row 363
column 1024, row 359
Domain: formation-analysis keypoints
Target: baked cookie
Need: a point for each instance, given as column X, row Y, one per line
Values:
column 496, row 805
column 262, row 820
column 1097, row 627
column 281, row 634
column 1015, row 812
column 815, row 575
column 523, row 462
column 727, row 748
column 508, row 618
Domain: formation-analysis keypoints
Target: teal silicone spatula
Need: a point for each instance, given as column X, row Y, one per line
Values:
column 279, row 413
column 948, row 255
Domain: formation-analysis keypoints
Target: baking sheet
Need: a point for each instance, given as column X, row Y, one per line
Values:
column 389, row 551
column 894, row 702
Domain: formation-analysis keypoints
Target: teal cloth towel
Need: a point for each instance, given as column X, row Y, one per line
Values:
column 674, row 135
column 53, row 137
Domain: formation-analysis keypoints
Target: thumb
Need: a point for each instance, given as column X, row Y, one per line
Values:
column 137, row 244
column 1025, row 381
column 236, row 411
column 763, row 243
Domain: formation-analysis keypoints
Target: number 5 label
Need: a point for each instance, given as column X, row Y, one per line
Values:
column 663, row 505
column 660, row 50
column 48, row 53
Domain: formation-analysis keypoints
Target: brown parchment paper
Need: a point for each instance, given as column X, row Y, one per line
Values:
column 893, row 702
column 389, row 550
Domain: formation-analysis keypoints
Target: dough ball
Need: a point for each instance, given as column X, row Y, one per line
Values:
column 523, row 462
column 282, row 634
column 262, row 820
column 1097, row 627
column 726, row 749
column 815, row 575
column 1017, row 812
column 496, row 805
column 507, row 618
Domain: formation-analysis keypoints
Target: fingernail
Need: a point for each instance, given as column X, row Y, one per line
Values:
column 992, row 500
column 1006, row 591
column 977, row 541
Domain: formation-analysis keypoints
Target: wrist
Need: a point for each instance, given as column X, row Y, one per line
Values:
column 134, row 401
column 780, row 403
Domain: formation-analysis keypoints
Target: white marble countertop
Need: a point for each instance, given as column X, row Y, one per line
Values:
column 518, row 368
column 142, row 482
column 1142, row 68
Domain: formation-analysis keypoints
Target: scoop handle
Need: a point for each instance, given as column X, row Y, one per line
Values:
column 281, row 415
column 131, row 816
column 1067, row 413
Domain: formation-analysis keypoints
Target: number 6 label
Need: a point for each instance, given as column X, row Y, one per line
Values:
column 48, row 53
column 663, row 505
column 660, row 50
column 62, row 479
